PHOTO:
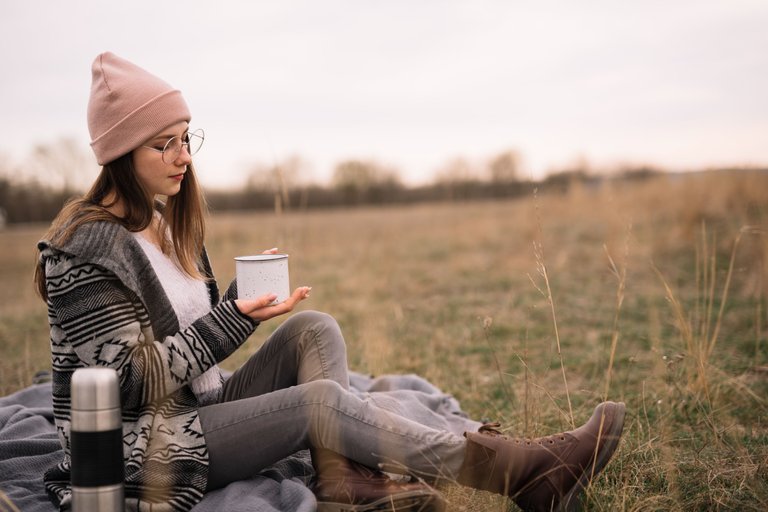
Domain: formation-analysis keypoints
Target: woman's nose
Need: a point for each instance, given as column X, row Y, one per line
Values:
column 184, row 158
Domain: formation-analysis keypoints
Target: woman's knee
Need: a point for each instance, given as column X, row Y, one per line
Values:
column 325, row 404
column 322, row 325
column 315, row 320
column 324, row 392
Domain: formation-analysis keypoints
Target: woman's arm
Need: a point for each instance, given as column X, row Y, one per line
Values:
column 107, row 325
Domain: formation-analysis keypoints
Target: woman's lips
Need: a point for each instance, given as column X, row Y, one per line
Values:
column 178, row 177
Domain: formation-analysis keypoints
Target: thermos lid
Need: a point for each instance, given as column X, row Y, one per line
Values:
column 95, row 389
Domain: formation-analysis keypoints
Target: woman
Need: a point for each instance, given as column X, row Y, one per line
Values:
column 128, row 286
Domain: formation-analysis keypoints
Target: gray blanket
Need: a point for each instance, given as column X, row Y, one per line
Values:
column 29, row 446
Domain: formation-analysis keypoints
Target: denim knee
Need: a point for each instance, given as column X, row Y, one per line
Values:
column 321, row 324
column 316, row 320
column 326, row 399
column 323, row 392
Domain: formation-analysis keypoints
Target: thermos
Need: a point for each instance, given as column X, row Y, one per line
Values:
column 96, row 442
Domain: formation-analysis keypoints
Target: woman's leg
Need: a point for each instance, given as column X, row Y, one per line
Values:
column 248, row 435
column 308, row 346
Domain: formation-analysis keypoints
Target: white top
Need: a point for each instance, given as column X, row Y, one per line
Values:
column 190, row 300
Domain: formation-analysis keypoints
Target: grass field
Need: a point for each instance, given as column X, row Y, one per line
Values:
column 530, row 312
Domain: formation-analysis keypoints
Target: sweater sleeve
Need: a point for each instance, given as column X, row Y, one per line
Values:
column 107, row 325
column 231, row 293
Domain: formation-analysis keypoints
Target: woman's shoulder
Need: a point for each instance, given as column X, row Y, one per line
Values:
column 98, row 234
column 96, row 241
column 99, row 250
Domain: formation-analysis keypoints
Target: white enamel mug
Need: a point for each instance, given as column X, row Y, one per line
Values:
column 261, row 274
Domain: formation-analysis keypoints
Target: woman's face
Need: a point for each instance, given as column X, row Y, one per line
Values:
column 157, row 176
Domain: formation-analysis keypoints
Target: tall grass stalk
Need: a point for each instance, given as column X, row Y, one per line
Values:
column 758, row 333
column 541, row 267
column 699, row 343
column 6, row 502
column 695, row 345
column 621, row 277
column 526, row 377
column 487, row 324
column 713, row 340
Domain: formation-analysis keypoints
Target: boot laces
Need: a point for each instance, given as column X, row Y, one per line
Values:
column 493, row 429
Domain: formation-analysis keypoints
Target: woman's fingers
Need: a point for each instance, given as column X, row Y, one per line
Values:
column 248, row 306
column 298, row 295
column 262, row 308
column 270, row 251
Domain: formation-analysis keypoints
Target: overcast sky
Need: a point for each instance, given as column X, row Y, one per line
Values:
column 677, row 83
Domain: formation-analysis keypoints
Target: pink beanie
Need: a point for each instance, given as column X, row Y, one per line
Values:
column 128, row 106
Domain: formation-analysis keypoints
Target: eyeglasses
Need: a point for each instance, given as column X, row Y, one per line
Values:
column 172, row 149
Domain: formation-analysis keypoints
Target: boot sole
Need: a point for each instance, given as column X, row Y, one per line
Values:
column 571, row 502
column 403, row 502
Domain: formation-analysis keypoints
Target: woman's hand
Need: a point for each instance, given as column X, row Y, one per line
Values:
column 270, row 251
column 260, row 309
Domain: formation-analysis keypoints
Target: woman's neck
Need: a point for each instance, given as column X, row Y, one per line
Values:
column 152, row 232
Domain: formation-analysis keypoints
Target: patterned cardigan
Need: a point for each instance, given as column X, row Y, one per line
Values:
column 106, row 307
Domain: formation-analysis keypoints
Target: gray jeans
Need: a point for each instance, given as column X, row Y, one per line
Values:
column 293, row 394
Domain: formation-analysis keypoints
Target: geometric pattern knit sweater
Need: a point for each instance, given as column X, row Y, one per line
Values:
column 106, row 307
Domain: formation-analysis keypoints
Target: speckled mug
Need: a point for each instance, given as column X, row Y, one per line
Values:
column 261, row 274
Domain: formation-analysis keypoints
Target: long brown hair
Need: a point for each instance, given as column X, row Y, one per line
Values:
column 117, row 182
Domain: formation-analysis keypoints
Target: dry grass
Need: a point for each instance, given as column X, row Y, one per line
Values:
column 532, row 311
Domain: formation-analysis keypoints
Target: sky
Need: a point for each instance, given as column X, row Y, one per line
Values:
column 678, row 84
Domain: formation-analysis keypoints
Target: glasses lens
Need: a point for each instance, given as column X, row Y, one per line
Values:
column 171, row 150
column 195, row 141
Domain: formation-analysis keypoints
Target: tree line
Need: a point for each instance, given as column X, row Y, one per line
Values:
column 282, row 186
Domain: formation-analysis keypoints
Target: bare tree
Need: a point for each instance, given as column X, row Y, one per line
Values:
column 504, row 167
column 366, row 181
column 457, row 170
column 280, row 179
column 61, row 165
column 457, row 179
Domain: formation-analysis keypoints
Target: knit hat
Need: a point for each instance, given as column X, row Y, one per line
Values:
column 128, row 106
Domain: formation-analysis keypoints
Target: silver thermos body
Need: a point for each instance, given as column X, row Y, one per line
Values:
column 96, row 442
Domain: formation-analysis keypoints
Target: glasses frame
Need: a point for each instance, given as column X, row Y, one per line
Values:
column 198, row 132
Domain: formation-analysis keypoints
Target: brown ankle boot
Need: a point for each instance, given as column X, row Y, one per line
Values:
column 344, row 485
column 547, row 473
